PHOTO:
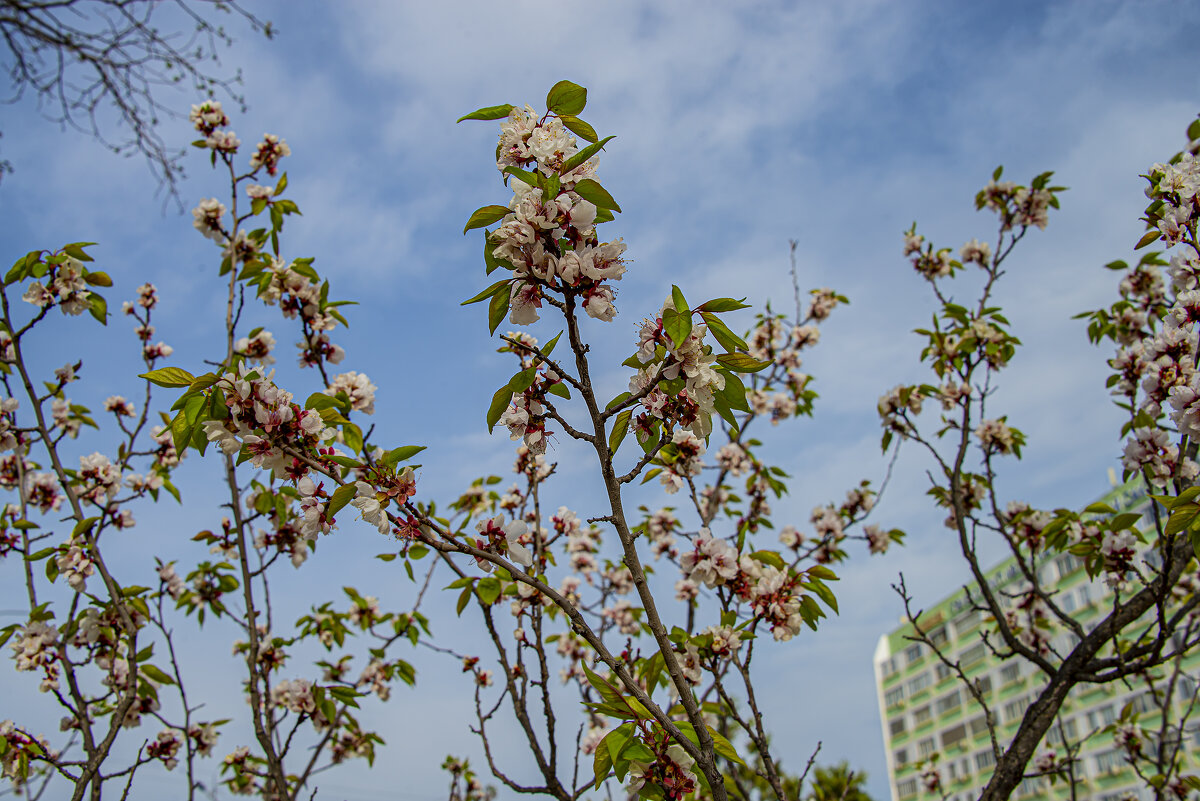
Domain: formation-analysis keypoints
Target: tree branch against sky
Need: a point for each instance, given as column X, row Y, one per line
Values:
column 100, row 66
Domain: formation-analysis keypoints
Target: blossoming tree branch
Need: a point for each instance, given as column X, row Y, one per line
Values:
column 658, row 673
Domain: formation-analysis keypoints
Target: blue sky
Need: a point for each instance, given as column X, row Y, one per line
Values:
column 738, row 128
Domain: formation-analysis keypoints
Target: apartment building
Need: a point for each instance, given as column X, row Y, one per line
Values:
column 926, row 710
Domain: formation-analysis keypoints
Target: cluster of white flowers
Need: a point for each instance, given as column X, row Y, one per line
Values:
column 688, row 463
column 36, row 648
column 713, row 561
column 66, row 287
column 119, row 406
column 995, row 436
column 897, row 402
column 497, row 537
column 166, row 747
column 257, row 348
column 268, row 153
column 659, row 528
column 100, row 476
column 530, row 238
column 256, row 403
column 208, row 215
column 1150, row 452
column 1030, row 620
column 978, row 252
column 8, row 437
column 76, row 566
column 773, row 597
column 17, row 750
column 295, row 695
column 358, row 388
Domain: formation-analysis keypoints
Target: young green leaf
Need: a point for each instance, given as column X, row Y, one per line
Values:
column 169, row 377
column 486, row 216
column 566, row 98
column 584, row 155
column 579, row 127
column 488, row 113
column 596, row 194
column 341, row 496
column 741, row 362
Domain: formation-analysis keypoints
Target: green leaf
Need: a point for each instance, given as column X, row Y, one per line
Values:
column 584, row 155
column 488, row 113
column 825, row 594
column 169, row 377
column 723, row 305
column 548, row 348
column 487, row 293
column 578, row 127
column 723, row 746
column 677, row 326
column 741, row 362
column 98, row 278
column 155, row 674
column 822, row 572
column 681, row 304
column 1182, row 518
column 98, row 307
column 1148, row 237
column 734, row 392
column 500, row 402
column 596, row 194
column 319, row 401
column 463, row 599
column 486, row 216
column 402, row 454
column 341, row 497
column 525, row 176
column 730, row 341
column 488, row 589
column 619, row 430
column 770, row 558
column 559, row 389
column 522, row 380
column 566, row 98
column 498, row 308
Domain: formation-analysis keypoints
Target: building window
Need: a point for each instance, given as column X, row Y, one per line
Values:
column 1100, row 717
column 973, row 654
column 887, row 667
column 894, row 696
column 926, row 747
column 906, row 788
column 942, row 670
column 949, row 703
column 1067, row 602
column 1056, row 733
column 918, row 683
column 984, row 684
column 901, row 757
column 913, row 653
column 1109, row 760
column 954, row 736
column 938, row 636
column 896, row 726
column 979, row 725
column 1014, row 709
column 1085, row 595
column 1010, row 673
column 921, row 716
column 984, row 760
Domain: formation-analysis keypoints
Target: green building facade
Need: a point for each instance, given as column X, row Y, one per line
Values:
column 926, row 710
